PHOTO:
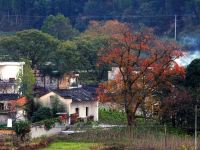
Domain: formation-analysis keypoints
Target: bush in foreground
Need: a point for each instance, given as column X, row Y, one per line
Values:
column 22, row 129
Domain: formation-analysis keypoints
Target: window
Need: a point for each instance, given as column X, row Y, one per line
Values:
column 51, row 97
column 1, row 106
column 11, row 79
column 77, row 111
column 86, row 110
column 52, row 101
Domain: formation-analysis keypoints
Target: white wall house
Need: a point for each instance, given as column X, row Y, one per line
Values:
column 11, row 106
column 85, row 109
column 78, row 101
column 8, row 75
column 113, row 73
column 9, row 90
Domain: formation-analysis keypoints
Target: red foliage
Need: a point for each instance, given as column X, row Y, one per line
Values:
column 144, row 62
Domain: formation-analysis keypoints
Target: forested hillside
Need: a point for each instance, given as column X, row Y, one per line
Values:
column 64, row 29
column 17, row 15
column 68, row 21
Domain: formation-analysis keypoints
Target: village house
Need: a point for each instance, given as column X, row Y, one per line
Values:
column 77, row 100
column 10, row 102
column 113, row 73
column 8, row 76
column 12, row 107
column 80, row 101
column 66, row 81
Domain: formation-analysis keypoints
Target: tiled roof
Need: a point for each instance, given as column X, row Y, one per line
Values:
column 79, row 94
column 21, row 101
column 7, row 97
column 40, row 91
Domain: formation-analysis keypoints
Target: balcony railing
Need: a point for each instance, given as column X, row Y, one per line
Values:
column 8, row 82
column 8, row 86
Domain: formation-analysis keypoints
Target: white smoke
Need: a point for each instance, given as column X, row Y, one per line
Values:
column 188, row 58
column 192, row 42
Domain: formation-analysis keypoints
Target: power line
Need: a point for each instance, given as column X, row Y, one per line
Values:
column 101, row 16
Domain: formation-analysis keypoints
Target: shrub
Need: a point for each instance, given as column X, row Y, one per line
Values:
column 112, row 116
column 22, row 128
column 4, row 126
column 90, row 118
column 57, row 105
column 49, row 123
column 42, row 114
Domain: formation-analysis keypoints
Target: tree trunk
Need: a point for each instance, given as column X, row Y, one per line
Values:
column 130, row 117
column 131, row 122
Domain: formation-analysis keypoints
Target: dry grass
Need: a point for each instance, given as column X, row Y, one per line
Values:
column 133, row 140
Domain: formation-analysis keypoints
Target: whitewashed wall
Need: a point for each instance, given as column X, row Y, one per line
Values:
column 113, row 73
column 92, row 109
column 38, row 131
column 10, row 70
column 71, row 105
column 46, row 100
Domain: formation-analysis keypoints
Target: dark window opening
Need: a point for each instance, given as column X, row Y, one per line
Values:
column 86, row 111
column 51, row 98
column 1, row 106
column 11, row 79
column 77, row 111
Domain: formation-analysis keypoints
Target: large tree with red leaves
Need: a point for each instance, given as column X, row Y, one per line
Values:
column 145, row 63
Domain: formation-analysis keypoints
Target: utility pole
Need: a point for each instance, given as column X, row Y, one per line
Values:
column 175, row 26
column 165, row 137
column 195, row 142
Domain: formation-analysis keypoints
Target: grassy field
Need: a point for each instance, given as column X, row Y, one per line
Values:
column 146, row 135
column 62, row 145
column 122, row 138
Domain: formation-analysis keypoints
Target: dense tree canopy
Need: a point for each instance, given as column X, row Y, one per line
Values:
column 66, row 57
column 178, row 105
column 193, row 74
column 59, row 26
column 193, row 80
column 53, row 56
column 32, row 45
column 23, row 14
